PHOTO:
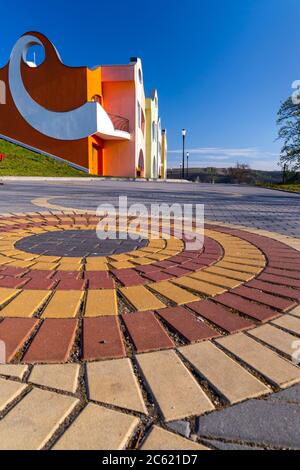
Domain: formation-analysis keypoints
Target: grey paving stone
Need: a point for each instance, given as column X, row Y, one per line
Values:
column 219, row 445
column 181, row 427
column 255, row 421
column 290, row 395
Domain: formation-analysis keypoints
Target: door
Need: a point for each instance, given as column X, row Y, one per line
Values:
column 97, row 160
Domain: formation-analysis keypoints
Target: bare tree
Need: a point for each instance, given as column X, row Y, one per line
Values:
column 240, row 173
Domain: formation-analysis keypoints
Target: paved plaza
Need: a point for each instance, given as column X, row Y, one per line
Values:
column 143, row 344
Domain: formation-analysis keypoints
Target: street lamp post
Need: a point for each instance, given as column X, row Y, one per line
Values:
column 183, row 151
column 187, row 164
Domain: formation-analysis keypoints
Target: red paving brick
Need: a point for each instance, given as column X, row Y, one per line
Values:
column 282, row 272
column 289, row 266
column 146, row 332
column 274, row 289
column 71, row 284
column 263, row 298
column 252, row 309
column 14, row 272
column 176, row 271
column 149, row 268
column 186, row 324
column 15, row 332
column 165, row 264
column 191, row 266
column 53, row 342
column 220, row 316
column 102, row 339
column 39, row 274
column 99, row 280
column 283, row 281
column 40, row 284
column 13, row 282
column 158, row 276
column 129, row 278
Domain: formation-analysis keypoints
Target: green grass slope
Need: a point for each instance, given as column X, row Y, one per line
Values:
column 22, row 162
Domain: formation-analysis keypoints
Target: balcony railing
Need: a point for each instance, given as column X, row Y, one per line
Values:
column 120, row 123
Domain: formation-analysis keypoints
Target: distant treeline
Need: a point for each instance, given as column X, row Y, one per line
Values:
column 229, row 175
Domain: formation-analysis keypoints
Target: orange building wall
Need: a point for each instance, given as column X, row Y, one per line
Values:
column 119, row 156
column 58, row 88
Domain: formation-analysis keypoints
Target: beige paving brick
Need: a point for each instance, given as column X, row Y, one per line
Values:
column 58, row 376
column 239, row 267
column 141, row 298
column 224, row 374
column 114, row 382
column 276, row 338
column 296, row 311
column 7, row 294
column 160, row 439
column 9, row 391
column 176, row 294
column 198, row 286
column 101, row 302
column 215, row 279
column 64, row 304
column 12, row 370
column 269, row 364
column 289, row 322
column 175, row 390
column 32, row 422
column 26, row 304
column 240, row 276
column 98, row 428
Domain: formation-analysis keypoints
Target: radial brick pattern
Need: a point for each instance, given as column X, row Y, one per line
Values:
column 132, row 320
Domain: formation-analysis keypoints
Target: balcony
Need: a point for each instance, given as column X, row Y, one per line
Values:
column 120, row 123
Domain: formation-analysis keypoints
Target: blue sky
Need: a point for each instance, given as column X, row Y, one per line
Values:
column 221, row 67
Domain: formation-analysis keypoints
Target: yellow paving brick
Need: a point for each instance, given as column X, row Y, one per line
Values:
column 64, row 304
column 141, row 298
column 142, row 261
column 215, row 279
column 101, row 303
column 71, row 260
column 21, row 264
column 26, row 304
column 229, row 273
column 97, row 267
column 160, row 244
column 239, row 267
column 69, row 267
column 174, row 293
column 198, row 286
column 48, row 259
column 25, row 256
column 119, row 258
column 247, row 261
column 157, row 257
column 7, row 294
column 42, row 266
column 121, row 264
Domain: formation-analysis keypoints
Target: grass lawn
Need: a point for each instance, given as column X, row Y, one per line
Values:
column 21, row 162
column 286, row 187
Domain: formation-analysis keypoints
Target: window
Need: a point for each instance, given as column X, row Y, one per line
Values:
column 140, row 76
column 154, row 131
column 2, row 92
column 35, row 56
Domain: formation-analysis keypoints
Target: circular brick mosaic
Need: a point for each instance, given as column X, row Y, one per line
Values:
column 70, row 243
column 215, row 325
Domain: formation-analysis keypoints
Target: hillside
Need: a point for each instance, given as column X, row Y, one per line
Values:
column 22, row 162
column 220, row 175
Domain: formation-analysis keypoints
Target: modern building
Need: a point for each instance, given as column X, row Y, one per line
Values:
column 95, row 119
